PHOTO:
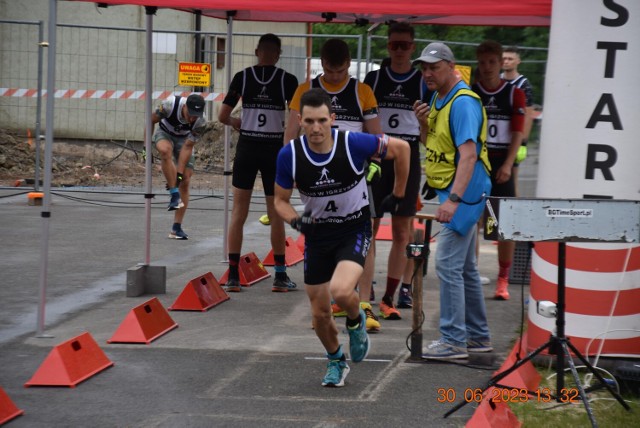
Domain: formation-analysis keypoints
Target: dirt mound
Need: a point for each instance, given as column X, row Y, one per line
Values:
column 105, row 163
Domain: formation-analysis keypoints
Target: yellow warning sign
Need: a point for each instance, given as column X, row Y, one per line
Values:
column 194, row 74
column 464, row 72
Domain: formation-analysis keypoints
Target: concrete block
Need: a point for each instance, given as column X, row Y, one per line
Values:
column 155, row 280
column 142, row 279
column 135, row 281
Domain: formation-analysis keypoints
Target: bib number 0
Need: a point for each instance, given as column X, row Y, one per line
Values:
column 493, row 131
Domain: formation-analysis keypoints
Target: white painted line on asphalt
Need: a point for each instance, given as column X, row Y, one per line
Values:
column 348, row 359
column 218, row 389
column 384, row 378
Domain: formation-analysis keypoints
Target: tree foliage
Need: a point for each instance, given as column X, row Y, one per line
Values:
column 531, row 41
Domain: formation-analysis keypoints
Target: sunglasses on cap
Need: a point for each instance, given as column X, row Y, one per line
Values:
column 400, row 44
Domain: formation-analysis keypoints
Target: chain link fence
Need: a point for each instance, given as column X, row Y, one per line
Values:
column 19, row 72
column 100, row 81
column 533, row 65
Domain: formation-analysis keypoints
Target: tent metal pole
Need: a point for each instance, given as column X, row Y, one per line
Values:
column 46, row 205
column 309, row 50
column 359, row 56
column 368, row 54
column 41, row 45
column 148, row 127
column 227, row 140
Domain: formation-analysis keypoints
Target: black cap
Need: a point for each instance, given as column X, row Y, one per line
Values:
column 195, row 105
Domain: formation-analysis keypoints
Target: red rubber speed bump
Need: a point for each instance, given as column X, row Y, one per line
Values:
column 200, row 294
column 71, row 362
column 144, row 324
column 493, row 413
column 292, row 254
column 8, row 410
column 526, row 376
column 250, row 269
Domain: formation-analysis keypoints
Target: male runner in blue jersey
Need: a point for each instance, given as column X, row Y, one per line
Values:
column 328, row 169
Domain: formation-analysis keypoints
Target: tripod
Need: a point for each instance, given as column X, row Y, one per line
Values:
column 559, row 345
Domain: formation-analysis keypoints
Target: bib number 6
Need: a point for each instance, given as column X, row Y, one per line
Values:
column 393, row 121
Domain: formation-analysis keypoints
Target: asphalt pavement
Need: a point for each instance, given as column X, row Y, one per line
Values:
column 252, row 361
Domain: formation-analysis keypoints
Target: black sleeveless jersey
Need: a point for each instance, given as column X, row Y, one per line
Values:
column 335, row 190
column 499, row 107
column 345, row 104
column 395, row 102
column 172, row 125
column 265, row 91
column 263, row 104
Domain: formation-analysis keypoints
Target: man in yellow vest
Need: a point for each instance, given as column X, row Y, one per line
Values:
column 457, row 168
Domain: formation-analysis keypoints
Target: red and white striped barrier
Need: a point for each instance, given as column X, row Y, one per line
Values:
column 599, row 278
column 103, row 94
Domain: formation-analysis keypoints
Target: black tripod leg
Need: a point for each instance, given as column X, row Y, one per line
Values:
column 598, row 376
column 494, row 380
column 576, row 378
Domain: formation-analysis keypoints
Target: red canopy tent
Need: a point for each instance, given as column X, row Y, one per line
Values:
column 430, row 12
column 435, row 12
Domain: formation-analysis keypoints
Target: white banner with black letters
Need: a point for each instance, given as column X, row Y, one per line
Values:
column 590, row 141
column 590, row 148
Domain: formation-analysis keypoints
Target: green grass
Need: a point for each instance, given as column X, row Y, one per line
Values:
column 606, row 410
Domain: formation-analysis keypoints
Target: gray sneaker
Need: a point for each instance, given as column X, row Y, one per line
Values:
column 479, row 346
column 440, row 350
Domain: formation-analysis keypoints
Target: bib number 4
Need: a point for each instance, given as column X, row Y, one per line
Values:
column 331, row 206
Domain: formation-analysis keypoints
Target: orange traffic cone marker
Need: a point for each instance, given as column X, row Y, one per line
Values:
column 70, row 363
column 144, row 324
column 250, row 269
column 200, row 294
column 8, row 410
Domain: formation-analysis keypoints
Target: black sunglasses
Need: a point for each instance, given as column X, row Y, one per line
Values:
column 405, row 46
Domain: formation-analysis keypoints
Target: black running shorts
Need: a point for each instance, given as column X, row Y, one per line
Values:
column 321, row 255
column 252, row 157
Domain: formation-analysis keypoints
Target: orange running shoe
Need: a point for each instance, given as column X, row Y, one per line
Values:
column 338, row 311
column 501, row 289
column 389, row 312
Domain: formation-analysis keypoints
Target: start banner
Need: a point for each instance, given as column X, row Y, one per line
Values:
column 589, row 150
column 589, row 140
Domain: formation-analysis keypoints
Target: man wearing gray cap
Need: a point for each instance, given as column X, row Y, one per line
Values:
column 457, row 168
